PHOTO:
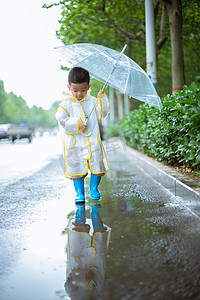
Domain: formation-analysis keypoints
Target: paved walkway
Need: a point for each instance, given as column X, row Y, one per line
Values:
column 181, row 186
column 155, row 242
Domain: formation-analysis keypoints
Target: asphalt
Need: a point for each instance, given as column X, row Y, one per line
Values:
column 154, row 245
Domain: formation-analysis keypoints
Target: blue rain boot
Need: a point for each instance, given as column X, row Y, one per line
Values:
column 96, row 219
column 80, row 219
column 80, row 214
column 94, row 182
column 79, row 188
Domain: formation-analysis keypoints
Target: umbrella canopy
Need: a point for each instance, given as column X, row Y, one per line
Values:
column 105, row 64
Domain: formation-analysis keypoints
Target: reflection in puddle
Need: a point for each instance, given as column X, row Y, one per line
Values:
column 88, row 242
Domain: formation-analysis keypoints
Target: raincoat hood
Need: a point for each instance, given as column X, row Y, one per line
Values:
column 69, row 93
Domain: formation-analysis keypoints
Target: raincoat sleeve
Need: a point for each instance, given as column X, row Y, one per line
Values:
column 70, row 124
column 102, row 107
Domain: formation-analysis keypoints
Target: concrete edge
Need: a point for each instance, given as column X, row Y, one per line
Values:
column 171, row 180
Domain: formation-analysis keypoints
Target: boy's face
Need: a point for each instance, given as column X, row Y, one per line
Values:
column 79, row 90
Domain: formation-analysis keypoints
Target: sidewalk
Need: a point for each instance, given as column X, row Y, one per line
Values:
column 181, row 186
column 155, row 239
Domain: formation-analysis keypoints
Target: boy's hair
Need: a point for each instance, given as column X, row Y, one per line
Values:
column 78, row 75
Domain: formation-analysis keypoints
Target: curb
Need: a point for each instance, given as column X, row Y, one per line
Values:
column 179, row 185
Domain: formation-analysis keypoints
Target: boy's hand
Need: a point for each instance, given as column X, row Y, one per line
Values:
column 100, row 93
column 82, row 126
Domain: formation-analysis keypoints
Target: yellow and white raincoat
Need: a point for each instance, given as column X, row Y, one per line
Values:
column 82, row 152
column 86, row 253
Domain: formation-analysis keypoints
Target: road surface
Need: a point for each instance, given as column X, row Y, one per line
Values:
column 155, row 240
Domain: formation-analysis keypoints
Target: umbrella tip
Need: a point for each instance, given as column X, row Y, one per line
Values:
column 124, row 48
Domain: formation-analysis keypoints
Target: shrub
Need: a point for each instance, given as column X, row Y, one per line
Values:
column 172, row 135
column 111, row 131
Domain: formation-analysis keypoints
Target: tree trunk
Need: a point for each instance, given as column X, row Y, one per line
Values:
column 120, row 106
column 174, row 10
column 112, row 106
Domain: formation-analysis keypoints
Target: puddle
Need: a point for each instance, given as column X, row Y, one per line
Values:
column 87, row 247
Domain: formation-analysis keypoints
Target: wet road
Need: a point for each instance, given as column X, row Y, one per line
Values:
column 154, row 244
column 23, row 159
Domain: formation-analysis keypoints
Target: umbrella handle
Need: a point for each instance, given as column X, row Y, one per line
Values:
column 114, row 66
column 89, row 134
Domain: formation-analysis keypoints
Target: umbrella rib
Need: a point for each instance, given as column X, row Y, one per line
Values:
column 128, row 74
column 91, row 53
column 106, row 55
column 159, row 106
column 84, row 59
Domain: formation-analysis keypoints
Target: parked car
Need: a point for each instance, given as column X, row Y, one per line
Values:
column 4, row 131
column 20, row 132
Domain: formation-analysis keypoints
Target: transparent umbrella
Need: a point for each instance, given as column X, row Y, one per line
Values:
column 113, row 68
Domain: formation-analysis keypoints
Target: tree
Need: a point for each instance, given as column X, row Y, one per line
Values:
column 3, row 99
column 14, row 109
column 191, row 38
column 113, row 23
column 110, row 23
column 54, row 106
column 174, row 10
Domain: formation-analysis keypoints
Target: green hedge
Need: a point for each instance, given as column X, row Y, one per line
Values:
column 172, row 135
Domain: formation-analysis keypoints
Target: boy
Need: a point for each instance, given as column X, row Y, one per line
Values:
column 83, row 148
